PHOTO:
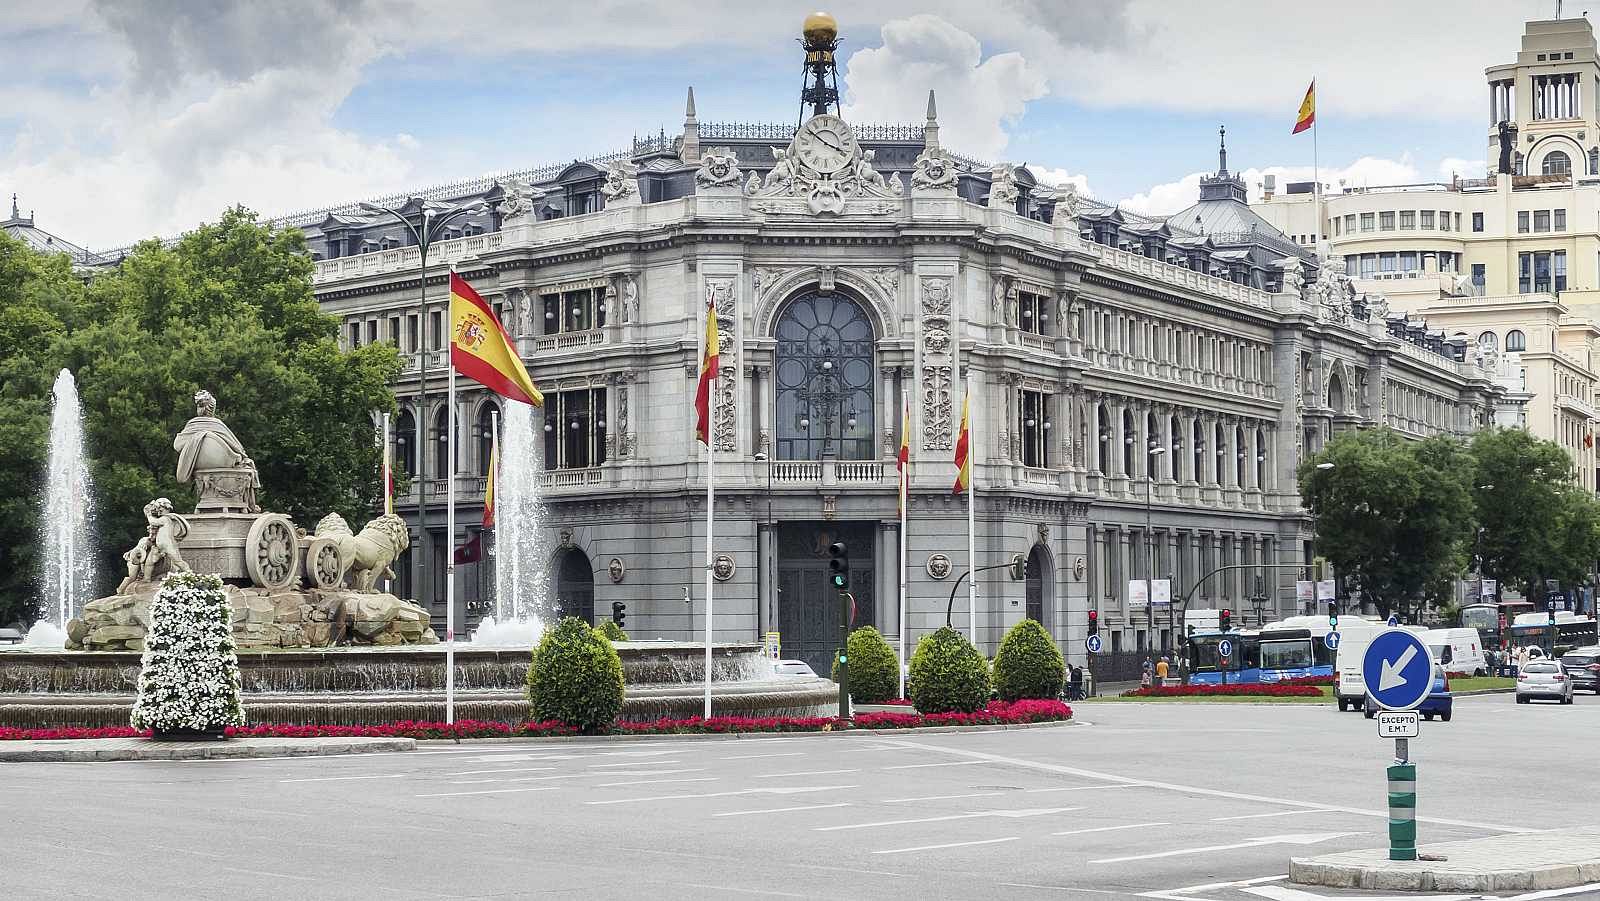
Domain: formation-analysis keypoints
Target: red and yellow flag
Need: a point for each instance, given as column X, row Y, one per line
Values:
column 488, row 488
column 1308, row 110
column 709, row 363
column 964, row 447
column 904, row 461
column 481, row 349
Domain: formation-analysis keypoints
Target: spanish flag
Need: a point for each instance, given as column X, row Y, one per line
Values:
column 488, row 489
column 1308, row 110
column 904, row 461
column 709, row 362
column 481, row 349
column 963, row 447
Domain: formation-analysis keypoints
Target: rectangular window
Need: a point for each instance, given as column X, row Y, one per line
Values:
column 372, row 331
column 1369, row 264
column 1560, row 266
column 1366, row 222
column 1035, row 429
column 412, row 332
column 1541, row 220
column 435, row 330
column 1477, row 222
column 1524, row 273
column 1408, row 260
column 1560, row 220
column 1458, row 222
column 355, row 334
column 1427, row 219
column 1408, row 219
column 1350, row 224
column 394, row 330
column 1522, row 222
column 1386, row 221
column 1479, row 276
column 578, row 437
column 1352, row 262
column 1386, row 262
column 1033, row 312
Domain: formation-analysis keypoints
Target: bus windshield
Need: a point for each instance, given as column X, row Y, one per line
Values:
column 1290, row 653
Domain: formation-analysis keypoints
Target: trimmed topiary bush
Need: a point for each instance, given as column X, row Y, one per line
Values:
column 576, row 677
column 873, row 679
column 613, row 632
column 189, row 672
column 948, row 674
column 1029, row 664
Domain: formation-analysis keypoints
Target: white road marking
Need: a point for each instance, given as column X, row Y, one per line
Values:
column 728, row 794
column 597, row 766
column 1074, row 788
column 1284, row 893
column 805, row 773
column 490, row 791
column 941, row 797
column 1110, row 828
column 920, row 766
column 1306, row 839
column 1182, row 894
column 656, row 781
column 641, row 753
column 1555, row 892
column 1009, row 814
column 1260, row 816
column 744, row 891
column 865, row 750
column 987, row 841
column 519, row 769
column 746, row 813
column 343, row 778
column 759, row 756
column 691, row 769
column 522, row 779
column 1197, row 790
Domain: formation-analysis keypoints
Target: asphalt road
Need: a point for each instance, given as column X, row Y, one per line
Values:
column 1178, row 802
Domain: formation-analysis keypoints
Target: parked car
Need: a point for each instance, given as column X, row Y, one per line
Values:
column 1437, row 704
column 793, row 668
column 12, row 636
column 1583, row 668
column 1544, row 679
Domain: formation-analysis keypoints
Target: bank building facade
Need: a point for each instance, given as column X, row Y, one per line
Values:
column 1142, row 389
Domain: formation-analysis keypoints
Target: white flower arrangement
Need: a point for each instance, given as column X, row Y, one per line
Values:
column 189, row 675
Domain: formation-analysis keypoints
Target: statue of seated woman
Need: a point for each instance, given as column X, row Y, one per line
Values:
column 210, row 456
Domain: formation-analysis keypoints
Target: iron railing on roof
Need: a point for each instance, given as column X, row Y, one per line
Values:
column 768, row 131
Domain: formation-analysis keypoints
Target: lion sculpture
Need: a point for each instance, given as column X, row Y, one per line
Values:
column 365, row 558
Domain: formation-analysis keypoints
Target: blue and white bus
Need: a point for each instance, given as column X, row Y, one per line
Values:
column 1292, row 648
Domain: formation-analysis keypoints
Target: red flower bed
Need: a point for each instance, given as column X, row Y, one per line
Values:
column 1307, row 680
column 1265, row 690
column 997, row 713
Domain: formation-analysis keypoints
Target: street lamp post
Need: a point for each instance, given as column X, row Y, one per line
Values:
column 1154, row 450
column 424, row 237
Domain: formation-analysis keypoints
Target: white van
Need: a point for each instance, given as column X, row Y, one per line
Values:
column 1355, row 633
column 1458, row 651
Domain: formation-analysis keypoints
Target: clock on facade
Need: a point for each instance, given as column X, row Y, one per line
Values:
column 825, row 144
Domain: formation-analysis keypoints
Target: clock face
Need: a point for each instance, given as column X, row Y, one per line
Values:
column 825, row 144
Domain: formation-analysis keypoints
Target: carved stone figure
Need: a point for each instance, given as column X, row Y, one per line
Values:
column 782, row 174
column 824, row 170
column 719, row 168
column 1003, row 187
column 1508, row 140
column 937, row 340
column 630, row 299
column 519, row 202
column 936, row 297
column 1294, row 279
column 866, row 176
column 1067, row 203
column 896, row 186
column 752, row 185
column 621, row 186
column 934, row 171
column 157, row 552
column 368, row 556
column 212, row 458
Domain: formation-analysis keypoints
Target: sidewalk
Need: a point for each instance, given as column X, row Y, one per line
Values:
column 99, row 749
column 1528, row 861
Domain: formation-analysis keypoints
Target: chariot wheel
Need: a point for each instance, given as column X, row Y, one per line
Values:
column 323, row 565
column 271, row 551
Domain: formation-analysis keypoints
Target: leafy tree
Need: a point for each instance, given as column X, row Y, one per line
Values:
column 1535, row 523
column 228, row 308
column 1393, row 515
column 576, row 677
column 948, row 674
column 1028, row 664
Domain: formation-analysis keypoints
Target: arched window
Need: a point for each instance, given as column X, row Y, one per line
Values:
column 440, row 446
column 1152, row 444
column 1198, row 445
column 1516, row 341
column 575, row 585
column 1130, row 439
column 1220, row 443
column 1036, row 589
column 484, row 432
column 1261, row 459
column 405, row 443
column 1336, row 393
column 1489, row 341
column 1556, row 162
column 1238, row 449
column 1102, row 463
column 824, row 379
column 1175, row 447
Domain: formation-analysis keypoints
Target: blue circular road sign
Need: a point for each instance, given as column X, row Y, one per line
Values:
column 1225, row 648
column 1393, row 620
column 1093, row 644
column 1331, row 640
column 1398, row 670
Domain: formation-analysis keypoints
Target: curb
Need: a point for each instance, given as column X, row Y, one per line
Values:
column 1309, row 871
column 747, row 736
column 234, row 749
column 1481, row 691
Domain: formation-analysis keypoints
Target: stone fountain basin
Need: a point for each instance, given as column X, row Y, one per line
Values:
column 348, row 686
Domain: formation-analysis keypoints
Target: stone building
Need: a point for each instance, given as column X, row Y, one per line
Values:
column 1141, row 393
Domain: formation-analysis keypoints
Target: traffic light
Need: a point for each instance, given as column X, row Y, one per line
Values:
column 1094, row 622
column 1224, row 620
column 839, row 566
column 1333, row 614
column 619, row 612
column 1550, row 606
column 1019, row 567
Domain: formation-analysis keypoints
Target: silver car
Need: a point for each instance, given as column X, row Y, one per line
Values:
column 1544, row 679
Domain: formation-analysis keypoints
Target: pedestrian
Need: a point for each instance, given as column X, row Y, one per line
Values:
column 1147, row 672
column 1162, row 668
column 1075, row 684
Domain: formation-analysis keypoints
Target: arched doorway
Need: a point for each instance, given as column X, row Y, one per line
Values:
column 1037, row 586
column 824, row 376
column 575, row 585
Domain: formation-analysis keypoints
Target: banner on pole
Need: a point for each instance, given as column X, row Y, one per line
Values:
column 1161, row 592
column 1138, row 593
column 1305, row 591
column 1325, row 590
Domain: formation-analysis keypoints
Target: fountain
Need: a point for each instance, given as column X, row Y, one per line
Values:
column 521, row 555
column 68, row 575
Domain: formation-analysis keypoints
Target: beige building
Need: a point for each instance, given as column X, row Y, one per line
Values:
column 1512, row 260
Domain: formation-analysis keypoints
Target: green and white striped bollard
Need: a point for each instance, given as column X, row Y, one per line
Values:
column 1402, row 807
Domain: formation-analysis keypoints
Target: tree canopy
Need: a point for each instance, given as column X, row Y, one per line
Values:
column 1536, row 523
column 228, row 308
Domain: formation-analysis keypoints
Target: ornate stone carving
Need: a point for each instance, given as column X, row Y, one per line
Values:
column 936, row 408
column 796, row 185
column 1294, row 277
column 1067, row 205
column 723, row 568
column 752, row 185
column 209, row 455
column 936, row 297
column 624, row 291
column 520, row 199
column 621, row 187
column 936, row 340
column 938, row 566
column 719, row 168
column 885, row 277
column 157, row 552
column 1003, row 187
column 616, row 570
column 934, row 171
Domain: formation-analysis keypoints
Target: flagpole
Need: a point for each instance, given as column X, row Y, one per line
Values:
column 972, row 535
column 494, row 493
column 905, row 504
column 450, row 520
column 388, row 483
column 711, row 506
column 1316, row 173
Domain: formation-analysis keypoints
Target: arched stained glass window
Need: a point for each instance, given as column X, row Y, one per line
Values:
column 824, row 376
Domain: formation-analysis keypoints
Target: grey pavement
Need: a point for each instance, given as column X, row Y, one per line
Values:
column 1523, row 862
column 107, row 749
column 1168, row 801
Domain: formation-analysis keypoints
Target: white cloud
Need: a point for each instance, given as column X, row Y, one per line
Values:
column 1063, row 177
column 1451, row 167
column 1170, row 197
column 977, row 97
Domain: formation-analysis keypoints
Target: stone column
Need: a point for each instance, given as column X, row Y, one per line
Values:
column 886, row 615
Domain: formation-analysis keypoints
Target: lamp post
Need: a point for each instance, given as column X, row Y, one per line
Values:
column 1153, row 451
column 424, row 237
column 824, row 389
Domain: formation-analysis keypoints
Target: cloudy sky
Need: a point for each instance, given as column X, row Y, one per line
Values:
column 122, row 119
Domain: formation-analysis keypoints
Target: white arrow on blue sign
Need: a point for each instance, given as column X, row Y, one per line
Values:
column 1093, row 644
column 1225, row 648
column 1331, row 640
column 1398, row 670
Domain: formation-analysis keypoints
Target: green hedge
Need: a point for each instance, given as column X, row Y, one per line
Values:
column 612, row 631
column 576, row 677
column 873, row 675
column 1029, row 664
column 948, row 674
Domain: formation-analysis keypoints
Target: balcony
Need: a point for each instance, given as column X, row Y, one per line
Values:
column 402, row 258
column 571, row 478
column 1184, row 277
column 832, row 472
column 1577, row 405
column 562, row 341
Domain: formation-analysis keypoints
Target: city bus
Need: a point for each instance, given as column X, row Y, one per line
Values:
column 1205, row 663
column 1571, row 631
column 1486, row 619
